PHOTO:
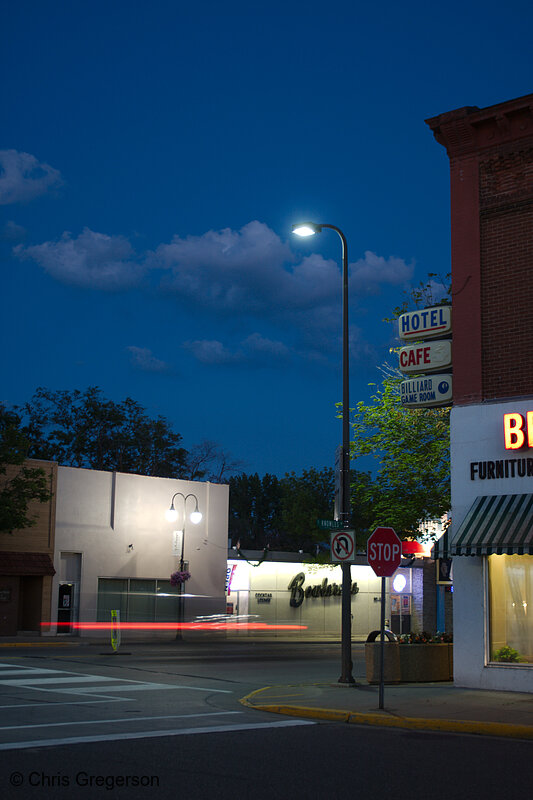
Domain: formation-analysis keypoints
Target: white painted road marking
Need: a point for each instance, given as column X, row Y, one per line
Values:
column 119, row 719
column 153, row 734
column 27, row 678
column 36, row 683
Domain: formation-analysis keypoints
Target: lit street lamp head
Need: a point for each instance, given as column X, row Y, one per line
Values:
column 306, row 228
column 171, row 514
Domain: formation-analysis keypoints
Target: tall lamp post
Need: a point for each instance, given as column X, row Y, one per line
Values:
column 195, row 517
column 309, row 229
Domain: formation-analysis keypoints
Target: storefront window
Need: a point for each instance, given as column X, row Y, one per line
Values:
column 167, row 600
column 138, row 600
column 141, row 601
column 511, row 609
column 112, row 596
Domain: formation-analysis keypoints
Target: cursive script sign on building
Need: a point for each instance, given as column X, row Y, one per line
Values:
column 324, row 589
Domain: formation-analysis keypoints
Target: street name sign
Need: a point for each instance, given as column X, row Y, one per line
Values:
column 427, row 324
column 426, row 357
column 329, row 524
column 384, row 552
column 343, row 546
column 428, row 392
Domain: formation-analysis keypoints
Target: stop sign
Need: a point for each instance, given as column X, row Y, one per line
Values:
column 384, row 552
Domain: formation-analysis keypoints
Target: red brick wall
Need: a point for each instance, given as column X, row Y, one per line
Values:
column 506, row 277
column 491, row 169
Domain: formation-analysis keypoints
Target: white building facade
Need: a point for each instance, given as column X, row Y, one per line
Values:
column 492, row 545
column 115, row 550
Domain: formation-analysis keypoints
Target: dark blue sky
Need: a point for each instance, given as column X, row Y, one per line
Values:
column 153, row 158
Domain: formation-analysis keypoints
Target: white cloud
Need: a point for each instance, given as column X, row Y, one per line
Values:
column 12, row 232
column 227, row 270
column 22, row 177
column 257, row 345
column 243, row 277
column 92, row 260
column 211, row 351
column 143, row 359
column 372, row 271
column 253, row 272
column 255, row 348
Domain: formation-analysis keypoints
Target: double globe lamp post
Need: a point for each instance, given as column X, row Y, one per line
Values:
column 309, row 229
column 195, row 517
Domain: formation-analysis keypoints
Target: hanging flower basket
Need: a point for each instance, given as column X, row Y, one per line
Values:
column 179, row 577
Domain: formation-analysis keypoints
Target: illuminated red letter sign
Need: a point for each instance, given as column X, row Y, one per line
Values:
column 515, row 428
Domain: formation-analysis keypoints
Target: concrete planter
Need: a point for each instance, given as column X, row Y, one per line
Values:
column 426, row 662
column 391, row 661
column 409, row 663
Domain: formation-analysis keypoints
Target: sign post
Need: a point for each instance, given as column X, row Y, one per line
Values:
column 384, row 555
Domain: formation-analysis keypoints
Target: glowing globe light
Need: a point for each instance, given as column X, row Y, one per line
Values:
column 399, row 583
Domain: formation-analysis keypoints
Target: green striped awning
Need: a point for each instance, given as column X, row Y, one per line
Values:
column 441, row 548
column 496, row 524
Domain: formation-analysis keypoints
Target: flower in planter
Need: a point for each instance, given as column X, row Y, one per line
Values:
column 179, row 577
column 425, row 638
column 444, row 638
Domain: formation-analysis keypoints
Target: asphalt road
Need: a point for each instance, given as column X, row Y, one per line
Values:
column 166, row 721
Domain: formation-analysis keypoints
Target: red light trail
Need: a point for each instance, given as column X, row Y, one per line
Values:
column 172, row 626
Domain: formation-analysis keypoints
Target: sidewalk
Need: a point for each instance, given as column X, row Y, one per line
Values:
column 427, row 706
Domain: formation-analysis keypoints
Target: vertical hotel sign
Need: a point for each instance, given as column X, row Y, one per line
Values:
column 428, row 386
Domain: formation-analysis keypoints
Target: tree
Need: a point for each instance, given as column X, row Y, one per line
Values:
column 255, row 510
column 412, row 447
column 19, row 482
column 305, row 499
column 209, row 461
column 84, row 429
column 436, row 290
column 282, row 513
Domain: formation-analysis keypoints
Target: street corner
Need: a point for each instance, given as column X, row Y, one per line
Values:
column 293, row 701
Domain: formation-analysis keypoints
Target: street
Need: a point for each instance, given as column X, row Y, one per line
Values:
column 166, row 718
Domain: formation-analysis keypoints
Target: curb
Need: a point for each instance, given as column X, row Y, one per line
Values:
column 501, row 729
column 37, row 644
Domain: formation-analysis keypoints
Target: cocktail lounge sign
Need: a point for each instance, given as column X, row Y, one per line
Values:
column 324, row 589
column 517, row 435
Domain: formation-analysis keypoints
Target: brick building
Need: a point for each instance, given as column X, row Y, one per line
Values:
column 491, row 171
column 26, row 565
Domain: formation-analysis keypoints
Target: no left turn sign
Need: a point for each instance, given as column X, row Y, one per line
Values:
column 343, row 545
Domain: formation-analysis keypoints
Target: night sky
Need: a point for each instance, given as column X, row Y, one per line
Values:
column 153, row 157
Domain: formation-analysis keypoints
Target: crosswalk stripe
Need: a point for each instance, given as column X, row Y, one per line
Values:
column 112, row 737
column 55, row 680
column 119, row 719
column 30, row 683
column 30, row 671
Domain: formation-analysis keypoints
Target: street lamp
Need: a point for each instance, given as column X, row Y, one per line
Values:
column 195, row 517
column 309, row 229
